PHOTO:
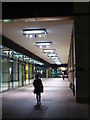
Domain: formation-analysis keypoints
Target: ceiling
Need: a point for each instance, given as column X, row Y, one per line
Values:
column 59, row 33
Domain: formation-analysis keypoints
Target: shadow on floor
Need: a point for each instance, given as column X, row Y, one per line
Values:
column 42, row 108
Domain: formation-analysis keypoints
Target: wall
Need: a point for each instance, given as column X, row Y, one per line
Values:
column 72, row 64
column 81, row 46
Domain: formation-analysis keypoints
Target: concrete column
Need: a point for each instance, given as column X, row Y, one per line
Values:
column 81, row 47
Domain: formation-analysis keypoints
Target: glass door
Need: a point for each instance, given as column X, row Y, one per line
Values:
column 20, row 75
column 11, row 74
column 5, row 85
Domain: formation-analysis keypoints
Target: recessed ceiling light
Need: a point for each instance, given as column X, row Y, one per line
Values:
column 31, row 36
column 52, row 54
column 39, row 35
column 54, row 57
column 43, row 44
column 48, row 50
column 34, row 31
column 40, row 46
column 58, row 63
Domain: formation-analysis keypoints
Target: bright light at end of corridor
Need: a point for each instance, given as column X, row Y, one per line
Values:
column 63, row 68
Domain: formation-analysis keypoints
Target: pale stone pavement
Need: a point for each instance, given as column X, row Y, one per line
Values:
column 57, row 102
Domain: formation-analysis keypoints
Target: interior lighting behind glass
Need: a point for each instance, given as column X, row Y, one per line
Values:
column 63, row 68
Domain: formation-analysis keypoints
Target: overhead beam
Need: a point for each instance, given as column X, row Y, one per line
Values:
column 13, row 10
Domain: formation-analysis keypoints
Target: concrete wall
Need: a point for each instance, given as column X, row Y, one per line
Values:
column 81, row 47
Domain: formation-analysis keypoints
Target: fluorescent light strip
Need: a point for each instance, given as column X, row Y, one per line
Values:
column 43, row 43
column 52, row 54
column 34, row 31
column 48, row 50
column 58, row 63
column 54, row 57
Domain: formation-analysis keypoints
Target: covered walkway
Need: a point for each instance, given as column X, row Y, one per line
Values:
column 57, row 102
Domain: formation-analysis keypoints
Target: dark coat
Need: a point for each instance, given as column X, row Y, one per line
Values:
column 38, row 86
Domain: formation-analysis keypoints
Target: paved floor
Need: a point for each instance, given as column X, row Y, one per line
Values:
column 57, row 102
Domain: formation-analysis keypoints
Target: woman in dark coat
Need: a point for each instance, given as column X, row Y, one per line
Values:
column 38, row 88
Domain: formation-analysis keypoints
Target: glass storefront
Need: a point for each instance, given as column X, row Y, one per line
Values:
column 20, row 75
column 17, row 69
column 10, row 74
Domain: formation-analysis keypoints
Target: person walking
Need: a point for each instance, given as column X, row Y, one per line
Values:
column 63, row 75
column 38, row 88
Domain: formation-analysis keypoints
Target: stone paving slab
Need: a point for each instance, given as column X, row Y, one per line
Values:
column 57, row 102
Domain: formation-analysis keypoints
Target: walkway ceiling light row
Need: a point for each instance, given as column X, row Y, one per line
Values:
column 51, row 53
column 33, row 33
column 54, row 57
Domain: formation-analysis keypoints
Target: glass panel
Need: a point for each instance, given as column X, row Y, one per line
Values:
column 29, row 73
column 27, row 81
column 15, row 73
column 20, row 75
column 20, row 56
column 23, row 75
column 11, row 74
column 4, row 73
column 16, row 65
column 15, row 55
column 34, row 71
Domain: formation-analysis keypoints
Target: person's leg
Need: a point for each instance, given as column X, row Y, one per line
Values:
column 37, row 97
column 40, row 98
